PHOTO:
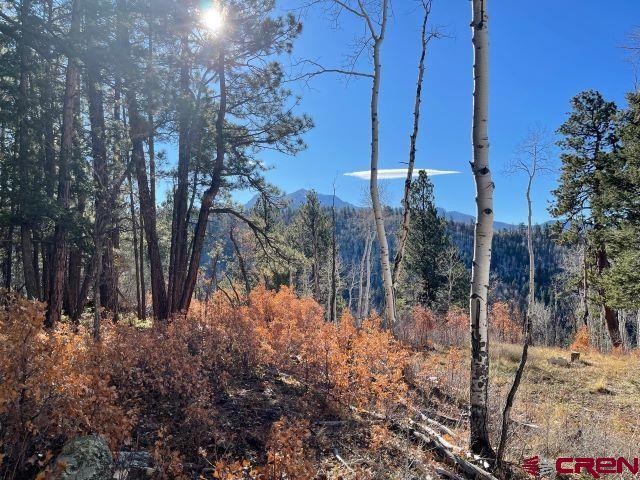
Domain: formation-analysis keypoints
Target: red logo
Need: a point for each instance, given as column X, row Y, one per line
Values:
column 532, row 466
column 595, row 467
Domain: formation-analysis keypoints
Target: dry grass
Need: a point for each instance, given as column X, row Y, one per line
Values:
column 587, row 409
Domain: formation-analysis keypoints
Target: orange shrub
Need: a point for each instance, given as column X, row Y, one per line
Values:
column 56, row 385
column 582, row 340
column 348, row 365
column 286, row 457
column 52, row 387
column 418, row 328
column 503, row 323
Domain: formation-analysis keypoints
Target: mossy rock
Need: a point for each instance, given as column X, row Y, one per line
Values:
column 85, row 458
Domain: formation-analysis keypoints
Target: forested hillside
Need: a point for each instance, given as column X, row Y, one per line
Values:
column 509, row 258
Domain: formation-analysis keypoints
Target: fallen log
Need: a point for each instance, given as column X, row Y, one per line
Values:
column 440, row 448
column 447, row 475
column 443, row 429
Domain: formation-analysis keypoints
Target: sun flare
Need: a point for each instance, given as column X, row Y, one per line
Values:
column 213, row 19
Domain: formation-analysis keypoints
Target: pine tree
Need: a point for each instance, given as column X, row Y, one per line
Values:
column 427, row 243
column 589, row 168
column 622, row 280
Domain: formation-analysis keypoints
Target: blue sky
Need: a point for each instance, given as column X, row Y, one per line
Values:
column 542, row 53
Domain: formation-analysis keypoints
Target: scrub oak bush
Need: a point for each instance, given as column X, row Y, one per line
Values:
column 162, row 383
column 52, row 387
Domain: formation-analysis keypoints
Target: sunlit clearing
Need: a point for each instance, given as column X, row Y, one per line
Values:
column 213, row 19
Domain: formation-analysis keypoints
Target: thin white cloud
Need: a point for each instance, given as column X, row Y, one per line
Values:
column 394, row 173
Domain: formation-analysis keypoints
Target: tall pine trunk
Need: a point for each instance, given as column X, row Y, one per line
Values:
column 59, row 260
column 211, row 192
column 179, row 230
column 479, row 325
column 138, row 131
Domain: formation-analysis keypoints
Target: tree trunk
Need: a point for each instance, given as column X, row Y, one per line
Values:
column 134, row 230
column 506, row 412
column 150, row 108
column 72, row 284
column 404, row 229
column 479, row 379
column 211, row 192
column 100, row 177
column 143, row 286
column 585, row 287
column 136, row 132
column 179, row 230
column 59, row 260
column 385, row 265
column 610, row 315
column 243, row 268
column 333, row 310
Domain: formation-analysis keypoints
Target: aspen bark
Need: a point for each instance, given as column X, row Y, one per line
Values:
column 378, row 214
column 479, row 379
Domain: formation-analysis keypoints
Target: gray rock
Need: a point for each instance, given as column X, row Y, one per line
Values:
column 85, row 458
column 134, row 466
column 559, row 361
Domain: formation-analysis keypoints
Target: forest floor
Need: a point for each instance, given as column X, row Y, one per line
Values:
column 586, row 409
column 589, row 408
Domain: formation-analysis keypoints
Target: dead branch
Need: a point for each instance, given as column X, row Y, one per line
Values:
column 342, row 461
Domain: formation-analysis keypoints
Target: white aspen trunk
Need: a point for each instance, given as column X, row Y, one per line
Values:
column 361, row 280
column 385, row 264
column 366, row 307
column 638, row 329
column 479, row 380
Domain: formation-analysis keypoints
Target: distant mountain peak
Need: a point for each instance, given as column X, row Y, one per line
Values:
column 297, row 198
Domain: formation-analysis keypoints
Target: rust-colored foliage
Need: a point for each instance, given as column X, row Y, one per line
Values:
column 582, row 340
column 417, row 330
column 503, row 323
column 163, row 382
column 286, row 458
column 52, row 387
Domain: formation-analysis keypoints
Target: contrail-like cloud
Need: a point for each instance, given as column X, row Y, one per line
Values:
column 394, row 173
